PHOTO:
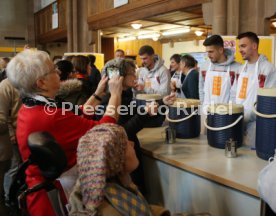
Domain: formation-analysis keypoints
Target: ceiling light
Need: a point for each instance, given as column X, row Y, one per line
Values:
column 136, row 25
column 274, row 24
column 199, row 33
column 155, row 38
column 146, row 36
column 127, row 38
column 176, row 31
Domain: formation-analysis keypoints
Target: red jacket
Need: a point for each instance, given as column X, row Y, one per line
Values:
column 65, row 126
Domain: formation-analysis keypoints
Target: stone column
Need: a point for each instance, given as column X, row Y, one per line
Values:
column 233, row 15
column 69, row 22
column 30, row 23
column 219, row 17
column 99, row 42
column 83, row 26
column 252, row 16
column 269, row 12
column 75, row 25
column 96, row 41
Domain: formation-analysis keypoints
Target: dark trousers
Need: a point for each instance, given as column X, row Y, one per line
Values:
column 4, row 167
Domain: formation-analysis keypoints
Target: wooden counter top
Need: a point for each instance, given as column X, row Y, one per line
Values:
column 196, row 156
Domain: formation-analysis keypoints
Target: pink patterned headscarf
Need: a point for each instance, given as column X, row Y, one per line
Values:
column 100, row 155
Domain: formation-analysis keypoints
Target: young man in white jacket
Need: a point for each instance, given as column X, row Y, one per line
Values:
column 255, row 73
column 154, row 77
column 217, row 76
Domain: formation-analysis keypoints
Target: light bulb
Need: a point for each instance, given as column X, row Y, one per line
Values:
column 176, row 31
column 136, row 25
column 129, row 38
column 146, row 36
column 199, row 33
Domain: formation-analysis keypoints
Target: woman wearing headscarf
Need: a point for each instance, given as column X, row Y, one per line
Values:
column 105, row 158
column 37, row 79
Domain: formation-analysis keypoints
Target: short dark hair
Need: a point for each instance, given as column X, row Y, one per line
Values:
column 92, row 59
column 80, row 63
column 189, row 61
column 176, row 58
column 65, row 67
column 124, row 65
column 120, row 50
column 6, row 60
column 214, row 40
column 251, row 35
column 146, row 50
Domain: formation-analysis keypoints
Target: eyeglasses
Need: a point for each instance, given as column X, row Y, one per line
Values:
column 54, row 70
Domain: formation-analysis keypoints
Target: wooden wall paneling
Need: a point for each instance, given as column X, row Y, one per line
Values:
column 132, row 47
column 43, row 24
column 62, row 14
column 137, row 10
column 107, row 5
column 49, row 19
column 52, row 36
column 44, row 20
column 108, row 48
column 36, row 28
column 92, row 7
column 132, row 1
column 100, row 7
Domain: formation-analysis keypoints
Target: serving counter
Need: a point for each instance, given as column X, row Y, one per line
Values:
column 190, row 176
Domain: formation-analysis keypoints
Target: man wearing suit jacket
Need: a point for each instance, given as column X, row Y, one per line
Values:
column 190, row 85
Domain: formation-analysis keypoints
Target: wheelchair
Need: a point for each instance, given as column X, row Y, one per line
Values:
column 51, row 160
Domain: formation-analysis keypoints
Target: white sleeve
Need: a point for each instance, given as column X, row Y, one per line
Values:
column 270, row 81
column 164, row 87
column 233, row 90
column 234, row 87
column 201, row 87
column 142, row 73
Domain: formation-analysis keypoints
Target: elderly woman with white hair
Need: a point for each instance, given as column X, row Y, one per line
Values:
column 37, row 79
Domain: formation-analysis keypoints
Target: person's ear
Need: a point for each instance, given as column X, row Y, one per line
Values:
column 255, row 46
column 221, row 50
column 40, row 84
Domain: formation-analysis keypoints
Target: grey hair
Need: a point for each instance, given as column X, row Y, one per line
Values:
column 26, row 68
column 122, row 64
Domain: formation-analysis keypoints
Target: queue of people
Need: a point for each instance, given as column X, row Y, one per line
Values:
column 88, row 138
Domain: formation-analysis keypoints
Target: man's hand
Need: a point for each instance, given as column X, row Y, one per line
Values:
column 169, row 99
column 151, row 108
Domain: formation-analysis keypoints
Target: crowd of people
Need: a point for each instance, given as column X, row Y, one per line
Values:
column 107, row 142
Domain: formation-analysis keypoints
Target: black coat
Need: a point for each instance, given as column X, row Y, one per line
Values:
column 190, row 85
column 132, row 122
column 94, row 78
